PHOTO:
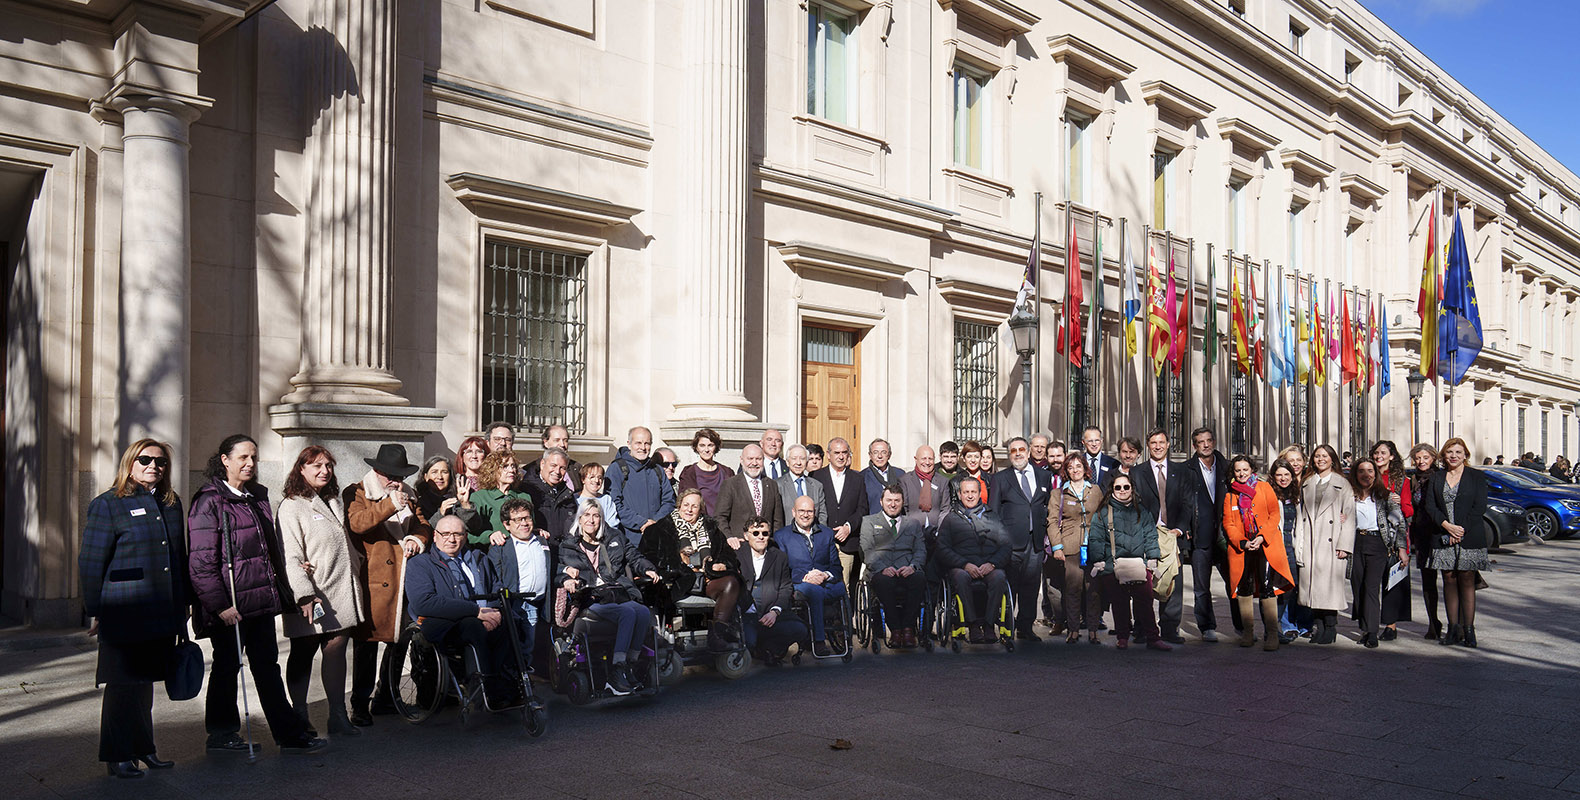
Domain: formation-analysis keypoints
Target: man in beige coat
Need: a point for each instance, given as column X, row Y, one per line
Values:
column 387, row 528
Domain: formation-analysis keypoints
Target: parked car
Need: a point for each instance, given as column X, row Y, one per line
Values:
column 1550, row 511
column 1505, row 522
column 1544, row 479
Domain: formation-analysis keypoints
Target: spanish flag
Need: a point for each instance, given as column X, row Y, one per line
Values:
column 1431, row 296
column 1162, row 333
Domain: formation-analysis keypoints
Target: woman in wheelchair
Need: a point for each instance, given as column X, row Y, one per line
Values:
column 603, row 563
column 440, row 585
column 687, row 547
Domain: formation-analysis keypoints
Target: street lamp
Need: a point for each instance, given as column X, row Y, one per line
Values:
column 1417, row 383
column 1023, row 326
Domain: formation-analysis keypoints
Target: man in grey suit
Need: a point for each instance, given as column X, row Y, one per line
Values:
column 926, row 494
column 796, row 482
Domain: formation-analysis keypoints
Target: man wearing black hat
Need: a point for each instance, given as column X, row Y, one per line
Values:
column 387, row 528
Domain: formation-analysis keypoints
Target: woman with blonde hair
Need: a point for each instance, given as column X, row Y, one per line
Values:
column 133, row 567
column 1456, row 502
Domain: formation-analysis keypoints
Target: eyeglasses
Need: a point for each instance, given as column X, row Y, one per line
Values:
column 670, row 464
column 519, row 519
column 449, row 534
column 161, row 462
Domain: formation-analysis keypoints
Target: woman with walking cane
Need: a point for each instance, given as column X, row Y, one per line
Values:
column 238, row 573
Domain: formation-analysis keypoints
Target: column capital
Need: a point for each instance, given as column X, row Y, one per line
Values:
column 123, row 97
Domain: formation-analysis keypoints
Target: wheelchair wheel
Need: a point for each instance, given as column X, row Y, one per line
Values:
column 733, row 664
column 419, row 681
column 535, row 716
column 669, row 668
column 954, row 644
column 578, row 687
column 862, row 626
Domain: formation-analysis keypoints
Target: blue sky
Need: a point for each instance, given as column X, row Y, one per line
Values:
column 1521, row 57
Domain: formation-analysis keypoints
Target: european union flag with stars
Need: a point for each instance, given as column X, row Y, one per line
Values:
column 1459, row 325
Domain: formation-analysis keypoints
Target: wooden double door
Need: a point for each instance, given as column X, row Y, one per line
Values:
column 830, row 385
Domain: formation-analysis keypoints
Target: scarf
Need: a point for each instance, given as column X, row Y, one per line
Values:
column 691, row 534
column 927, row 477
column 1246, row 493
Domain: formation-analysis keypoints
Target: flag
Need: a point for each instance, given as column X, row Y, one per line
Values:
column 1181, row 344
column 1459, row 327
column 1362, row 349
column 1319, row 340
column 1253, row 323
column 1095, row 325
column 1132, row 308
column 1070, row 329
column 1277, row 370
column 1371, row 345
column 1346, row 342
column 1242, row 343
column 1427, row 302
column 1158, row 315
column 1303, row 346
column 1026, row 297
column 1171, row 312
column 1287, row 323
column 1332, row 343
column 1384, row 362
column 1209, row 339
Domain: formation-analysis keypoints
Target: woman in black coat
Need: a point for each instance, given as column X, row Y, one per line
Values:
column 134, row 584
column 1424, row 533
column 686, row 547
column 1456, row 500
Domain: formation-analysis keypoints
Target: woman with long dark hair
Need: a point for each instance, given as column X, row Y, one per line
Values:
column 324, row 571
column 1423, row 534
column 1122, row 530
column 238, row 573
column 1456, row 501
column 1324, row 538
column 1294, row 619
column 1391, row 474
column 1379, row 539
column 133, row 566
column 1258, row 562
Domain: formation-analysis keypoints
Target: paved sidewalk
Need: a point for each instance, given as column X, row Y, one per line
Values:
column 1409, row 720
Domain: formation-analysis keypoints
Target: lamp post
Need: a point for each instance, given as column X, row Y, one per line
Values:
column 1417, row 383
column 1023, row 326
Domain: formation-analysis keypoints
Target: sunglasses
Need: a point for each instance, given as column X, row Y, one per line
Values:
column 1121, row 487
column 159, row 461
column 670, row 464
column 762, row 534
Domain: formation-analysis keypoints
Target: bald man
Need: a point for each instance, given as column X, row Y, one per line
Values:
column 926, row 492
column 773, row 445
column 748, row 493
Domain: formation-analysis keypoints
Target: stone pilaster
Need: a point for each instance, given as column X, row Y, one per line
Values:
column 350, row 154
column 715, row 212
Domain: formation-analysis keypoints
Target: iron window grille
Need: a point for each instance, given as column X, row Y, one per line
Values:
column 976, row 382
column 534, row 337
column 1357, row 424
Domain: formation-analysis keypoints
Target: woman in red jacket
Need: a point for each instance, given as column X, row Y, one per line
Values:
column 1258, row 563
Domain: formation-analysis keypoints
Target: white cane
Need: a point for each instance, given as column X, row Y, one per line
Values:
column 246, row 711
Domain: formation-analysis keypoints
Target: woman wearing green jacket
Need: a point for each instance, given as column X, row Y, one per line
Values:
column 1123, row 544
column 494, row 480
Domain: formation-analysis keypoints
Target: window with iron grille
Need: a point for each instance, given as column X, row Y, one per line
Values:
column 1544, row 436
column 976, row 382
column 1170, row 404
column 1519, row 416
column 1239, row 414
column 1357, row 424
column 1302, row 407
column 534, row 330
column 1080, row 406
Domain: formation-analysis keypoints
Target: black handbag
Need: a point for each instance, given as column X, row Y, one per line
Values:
column 184, row 673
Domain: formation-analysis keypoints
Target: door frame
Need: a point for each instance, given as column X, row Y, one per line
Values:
column 859, row 333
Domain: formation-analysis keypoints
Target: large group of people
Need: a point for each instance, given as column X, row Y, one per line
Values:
column 1075, row 533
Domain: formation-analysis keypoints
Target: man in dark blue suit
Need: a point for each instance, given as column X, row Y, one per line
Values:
column 439, row 586
column 878, row 474
column 1209, row 472
column 1172, row 500
column 1100, row 466
column 814, row 566
column 524, row 564
column 1018, row 496
column 766, row 593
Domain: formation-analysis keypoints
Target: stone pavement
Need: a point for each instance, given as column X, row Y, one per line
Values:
column 1409, row 720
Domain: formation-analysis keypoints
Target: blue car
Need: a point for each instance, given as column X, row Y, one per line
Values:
column 1550, row 511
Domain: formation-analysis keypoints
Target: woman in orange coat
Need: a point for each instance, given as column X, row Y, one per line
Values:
column 1258, row 563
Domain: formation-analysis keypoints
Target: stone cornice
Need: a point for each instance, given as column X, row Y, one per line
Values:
column 800, row 256
column 1242, row 132
column 1087, row 57
column 475, row 191
column 841, row 199
column 1008, row 18
column 1528, row 210
column 984, row 297
column 1303, row 163
column 1166, row 95
column 1357, row 186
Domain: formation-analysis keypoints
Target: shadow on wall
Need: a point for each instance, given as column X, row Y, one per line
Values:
column 24, row 411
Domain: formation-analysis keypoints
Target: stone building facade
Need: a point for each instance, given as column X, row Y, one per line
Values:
column 358, row 221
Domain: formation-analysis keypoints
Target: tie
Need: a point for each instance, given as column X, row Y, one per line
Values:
column 1095, row 476
column 461, row 580
column 757, row 496
column 925, row 496
column 894, row 527
column 775, row 464
column 800, row 490
column 1163, row 506
column 1025, row 485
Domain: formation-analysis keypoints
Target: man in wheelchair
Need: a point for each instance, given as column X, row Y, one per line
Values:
column 440, row 585
column 894, row 550
column 765, row 575
column 814, row 567
column 523, row 564
column 972, row 550
column 603, row 563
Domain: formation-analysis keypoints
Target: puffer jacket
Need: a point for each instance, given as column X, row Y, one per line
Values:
column 618, row 560
column 1135, row 533
column 640, row 490
column 225, row 529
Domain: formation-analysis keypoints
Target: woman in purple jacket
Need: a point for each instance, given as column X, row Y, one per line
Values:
column 237, row 571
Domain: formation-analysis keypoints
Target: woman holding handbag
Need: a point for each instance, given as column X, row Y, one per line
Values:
column 1067, row 527
column 133, row 566
column 324, row 572
column 1258, row 562
column 1123, row 548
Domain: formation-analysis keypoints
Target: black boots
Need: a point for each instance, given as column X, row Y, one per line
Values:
column 1454, row 635
column 1467, row 636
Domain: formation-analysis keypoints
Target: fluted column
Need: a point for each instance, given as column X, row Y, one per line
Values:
column 715, row 210
column 350, row 153
column 156, row 267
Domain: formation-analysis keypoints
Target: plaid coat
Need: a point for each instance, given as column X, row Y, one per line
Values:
column 133, row 565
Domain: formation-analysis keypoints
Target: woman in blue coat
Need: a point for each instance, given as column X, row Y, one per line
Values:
column 134, row 585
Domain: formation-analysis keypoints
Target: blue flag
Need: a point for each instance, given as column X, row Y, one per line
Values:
column 1459, row 325
column 1384, row 382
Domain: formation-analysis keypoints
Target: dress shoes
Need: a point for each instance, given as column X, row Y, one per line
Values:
column 303, row 745
column 1434, row 630
column 226, row 743
column 1027, row 636
column 123, row 769
column 152, row 761
column 1389, row 634
column 1159, row 644
column 1369, row 640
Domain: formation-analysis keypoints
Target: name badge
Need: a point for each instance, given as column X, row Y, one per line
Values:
column 318, row 516
column 138, row 512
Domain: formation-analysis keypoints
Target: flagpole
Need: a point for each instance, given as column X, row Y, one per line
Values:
column 1190, row 313
column 1210, row 324
column 1382, row 319
column 1094, row 373
column 1162, row 398
column 1311, row 367
column 1034, row 398
column 1146, row 324
column 1437, row 397
column 1127, row 367
column 1453, row 355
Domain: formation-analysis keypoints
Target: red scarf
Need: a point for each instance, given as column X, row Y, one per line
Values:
column 1246, row 493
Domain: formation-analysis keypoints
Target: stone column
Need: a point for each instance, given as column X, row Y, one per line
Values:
column 350, row 153
column 156, row 266
column 715, row 211
column 346, row 396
